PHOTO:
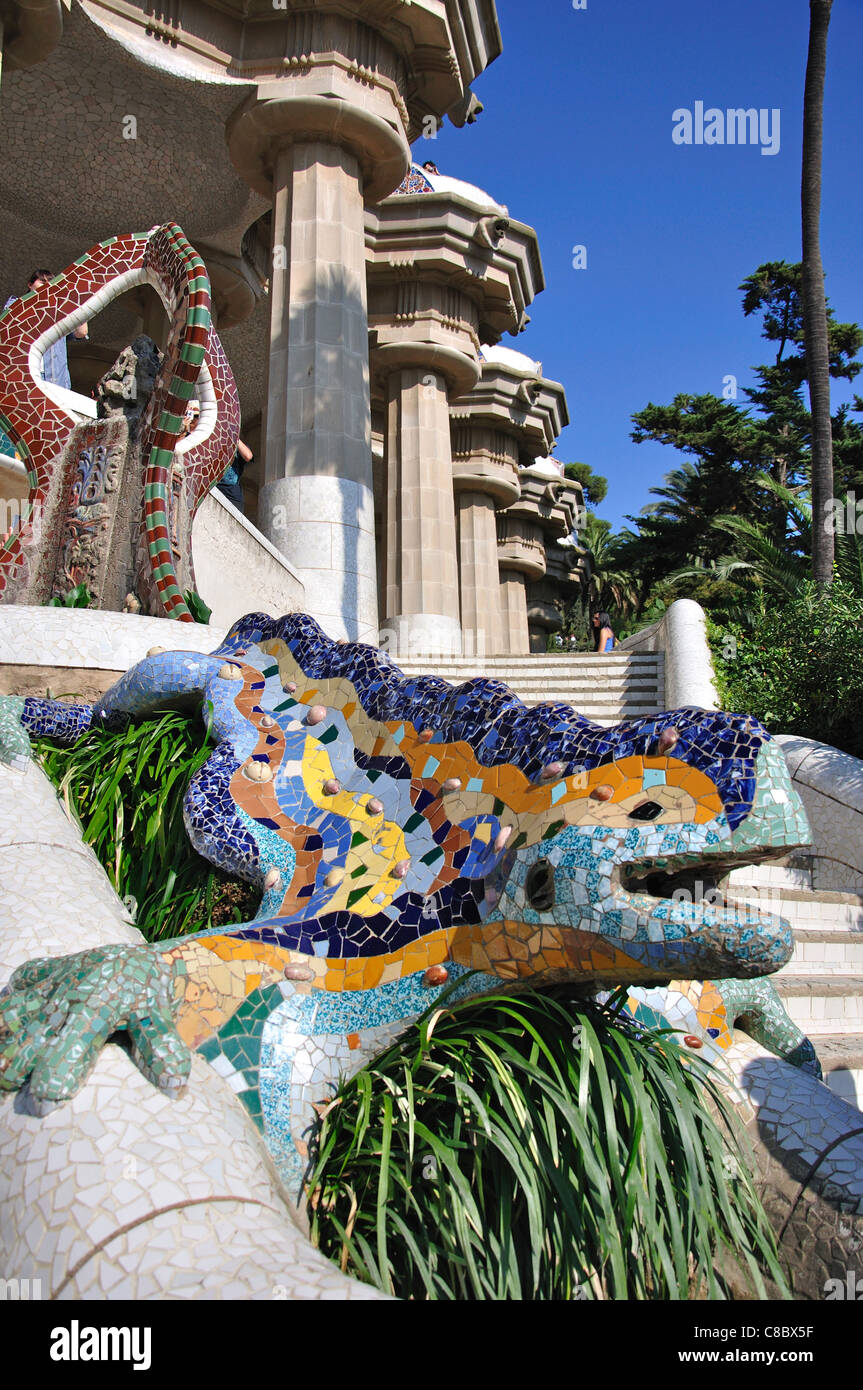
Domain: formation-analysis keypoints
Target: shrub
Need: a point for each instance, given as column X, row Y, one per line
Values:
column 800, row 668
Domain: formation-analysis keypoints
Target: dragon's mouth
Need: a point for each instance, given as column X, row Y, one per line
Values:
column 703, row 883
column 706, row 882
column 695, row 900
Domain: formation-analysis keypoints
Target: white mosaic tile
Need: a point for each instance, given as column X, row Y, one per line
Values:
column 94, row 638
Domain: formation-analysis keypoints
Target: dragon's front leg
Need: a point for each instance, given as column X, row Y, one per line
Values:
column 756, row 1006
column 55, row 1015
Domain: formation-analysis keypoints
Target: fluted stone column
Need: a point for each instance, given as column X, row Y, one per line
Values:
column 316, row 504
column 478, row 574
column 513, row 609
column 325, row 132
column 512, row 413
column 521, row 557
column 485, row 478
column 546, row 510
column 422, row 601
column 445, row 268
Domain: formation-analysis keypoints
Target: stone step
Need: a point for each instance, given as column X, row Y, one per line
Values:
column 832, row 952
column 605, row 689
column 582, row 676
column 595, row 687
column 535, row 660
column 841, row 1061
column 823, row 1003
column 586, row 694
column 771, row 876
column 617, row 676
column 822, row 911
column 609, row 692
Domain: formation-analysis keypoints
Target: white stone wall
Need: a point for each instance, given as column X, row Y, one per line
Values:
column 237, row 570
column 831, row 786
column 90, row 638
column 682, row 635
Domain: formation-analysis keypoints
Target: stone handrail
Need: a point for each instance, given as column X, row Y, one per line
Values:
column 682, row 635
column 140, row 1195
column 831, row 785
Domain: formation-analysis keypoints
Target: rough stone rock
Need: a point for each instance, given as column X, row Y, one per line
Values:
column 128, row 385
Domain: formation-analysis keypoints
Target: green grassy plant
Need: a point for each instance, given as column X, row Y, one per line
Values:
column 126, row 790
column 537, row 1147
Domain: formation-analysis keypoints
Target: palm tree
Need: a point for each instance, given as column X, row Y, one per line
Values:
column 780, row 572
column 607, row 585
column 815, row 331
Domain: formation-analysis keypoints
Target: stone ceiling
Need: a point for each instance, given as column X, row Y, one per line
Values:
column 69, row 178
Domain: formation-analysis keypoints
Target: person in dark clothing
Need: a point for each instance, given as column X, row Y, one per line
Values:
column 229, row 483
column 603, row 633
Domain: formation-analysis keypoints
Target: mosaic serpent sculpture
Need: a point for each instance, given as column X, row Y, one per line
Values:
column 38, row 421
column 409, row 836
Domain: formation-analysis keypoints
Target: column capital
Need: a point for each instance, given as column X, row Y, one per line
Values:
column 387, row 355
column 484, row 459
column 234, row 285
column 271, row 119
column 515, row 396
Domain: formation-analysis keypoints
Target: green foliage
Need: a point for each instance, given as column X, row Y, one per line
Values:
column 719, row 490
column 536, row 1147
column 800, row 669
column 79, row 597
column 197, row 607
column 126, row 790
column 609, row 586
column 594, row 485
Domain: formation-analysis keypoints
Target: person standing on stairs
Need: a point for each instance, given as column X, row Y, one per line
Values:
column 603, row 633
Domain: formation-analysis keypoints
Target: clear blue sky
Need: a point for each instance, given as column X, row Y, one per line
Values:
column 576, row 139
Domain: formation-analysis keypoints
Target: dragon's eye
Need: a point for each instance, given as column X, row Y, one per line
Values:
column 648, row 810
column 539, row 886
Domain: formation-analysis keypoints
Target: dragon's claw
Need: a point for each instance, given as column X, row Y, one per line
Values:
column 57, row 1014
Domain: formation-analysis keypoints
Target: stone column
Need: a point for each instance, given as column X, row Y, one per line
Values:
column 325, row 138
column 316, row 504
column 521, row 556
column 478, row 574
column 485, row 478
column 29, row 32
column 422, row 602
column 513, row 608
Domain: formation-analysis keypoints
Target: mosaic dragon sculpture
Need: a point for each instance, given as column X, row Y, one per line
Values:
column 68, row 492
column 408, row 837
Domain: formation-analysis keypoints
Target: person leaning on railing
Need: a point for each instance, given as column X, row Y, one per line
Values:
column 55, row 367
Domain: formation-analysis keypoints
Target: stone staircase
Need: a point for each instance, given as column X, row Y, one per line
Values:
column 605, row 689
column 822, row 985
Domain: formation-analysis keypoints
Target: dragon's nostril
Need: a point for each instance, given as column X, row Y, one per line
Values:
column 539, row 886
column 648, row 810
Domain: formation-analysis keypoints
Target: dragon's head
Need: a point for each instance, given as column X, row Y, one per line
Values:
column 615, row 890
